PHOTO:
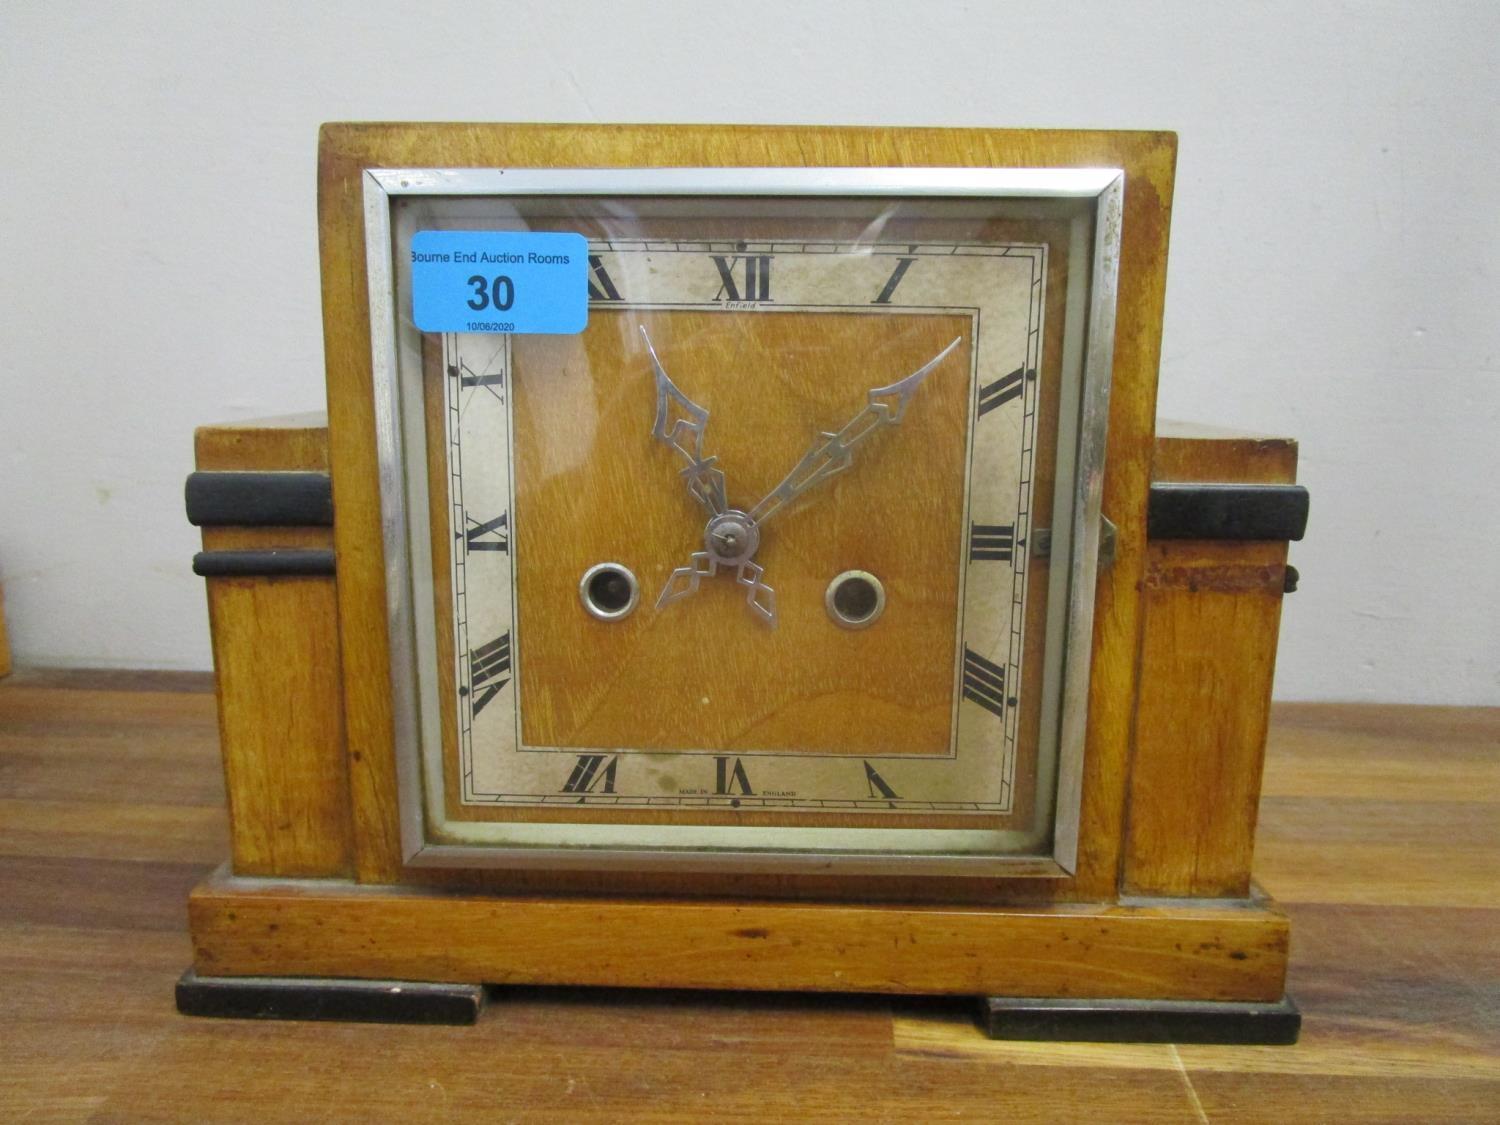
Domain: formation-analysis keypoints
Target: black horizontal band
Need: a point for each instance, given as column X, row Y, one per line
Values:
column 1143, row 1021
column 1227, row 511
column 260, row 499
column 270, row 562
column 321, row 998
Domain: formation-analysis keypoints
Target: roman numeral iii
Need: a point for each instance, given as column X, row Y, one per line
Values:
column 490, row 536
column 994, row 541
column 593, row 771
column 984, row 683
column 489, row 671
column 754, row 269
column 1002, row 390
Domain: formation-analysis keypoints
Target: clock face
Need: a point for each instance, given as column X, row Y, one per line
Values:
column 759, row 559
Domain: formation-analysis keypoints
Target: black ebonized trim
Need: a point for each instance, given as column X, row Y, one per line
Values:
column 270, row 562
column 1141, row 1021
column 260, row 499
column 1227, row 511
column 321, row 998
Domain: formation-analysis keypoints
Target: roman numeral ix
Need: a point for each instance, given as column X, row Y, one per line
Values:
column 757, row 277
column 992, row 541
column 494, row 381
column 489, row 671
column 593, row 771
column 984, row 683
column 490, row 536
column 1003, row 389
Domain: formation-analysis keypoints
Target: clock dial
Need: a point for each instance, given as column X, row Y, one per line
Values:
column 757, row 566
column 741, row 427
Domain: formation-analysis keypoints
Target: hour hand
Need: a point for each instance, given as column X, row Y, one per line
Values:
column 680, row 423
column 684, row 581
column 831, row 454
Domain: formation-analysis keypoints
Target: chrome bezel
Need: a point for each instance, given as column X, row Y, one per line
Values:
column 1083, row 414
column 595, row 610
column 837, row 616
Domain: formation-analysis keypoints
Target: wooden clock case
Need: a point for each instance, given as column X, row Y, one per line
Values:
column 1159, row 931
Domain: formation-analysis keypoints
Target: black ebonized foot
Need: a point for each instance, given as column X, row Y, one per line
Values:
column 1141, row 1021
column 325, row 998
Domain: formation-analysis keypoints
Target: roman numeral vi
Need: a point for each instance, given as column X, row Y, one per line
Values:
column 726, row 777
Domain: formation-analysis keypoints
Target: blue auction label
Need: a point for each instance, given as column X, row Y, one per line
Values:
column 499, row 281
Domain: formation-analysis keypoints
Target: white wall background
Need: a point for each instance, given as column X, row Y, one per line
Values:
column 1335, row 249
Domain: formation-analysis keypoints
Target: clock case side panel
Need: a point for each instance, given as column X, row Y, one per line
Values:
column 1212, row 600
column 260, row 496
column 346, row 150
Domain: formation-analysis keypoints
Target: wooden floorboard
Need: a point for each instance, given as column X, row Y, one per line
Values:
column 1380, row 832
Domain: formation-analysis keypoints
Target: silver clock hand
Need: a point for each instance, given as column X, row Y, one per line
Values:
column 730, row 537
column 684, row 581
column 833, row 453
column 680, row 423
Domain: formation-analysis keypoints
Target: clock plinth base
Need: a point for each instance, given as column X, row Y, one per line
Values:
column 1142, row 1021
column 1228, row 950
column 325, row 998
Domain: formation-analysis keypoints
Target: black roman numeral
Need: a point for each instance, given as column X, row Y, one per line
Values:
column 757, row 271
column 902, row 265
column 601, row 288
column 494, row 382
column 489, row 671
column 1003, row 389
column 878, row 785
column 592, row 771
column 726, row 777
column 984, row 683
column 992, row 541
column 491, row 536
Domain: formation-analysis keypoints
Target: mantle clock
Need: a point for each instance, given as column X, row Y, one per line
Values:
column 744, row 558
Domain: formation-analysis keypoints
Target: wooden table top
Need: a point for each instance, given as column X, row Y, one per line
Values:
column 1379, row 831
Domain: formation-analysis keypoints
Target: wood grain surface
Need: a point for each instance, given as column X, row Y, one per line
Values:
column 345, row 150
column 584, row 495
column 1379, row 831
column 276, row 651
column 1209, row 951
column 1210, row 616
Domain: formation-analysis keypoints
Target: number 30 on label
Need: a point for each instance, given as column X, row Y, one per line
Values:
column 495, row 292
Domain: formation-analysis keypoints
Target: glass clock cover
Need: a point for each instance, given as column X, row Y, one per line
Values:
column 778, row 562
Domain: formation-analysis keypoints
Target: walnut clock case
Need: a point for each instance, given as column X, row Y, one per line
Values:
column 820, row 611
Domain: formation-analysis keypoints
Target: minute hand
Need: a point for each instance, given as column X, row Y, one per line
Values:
column 680, row 423
column 833, row 453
